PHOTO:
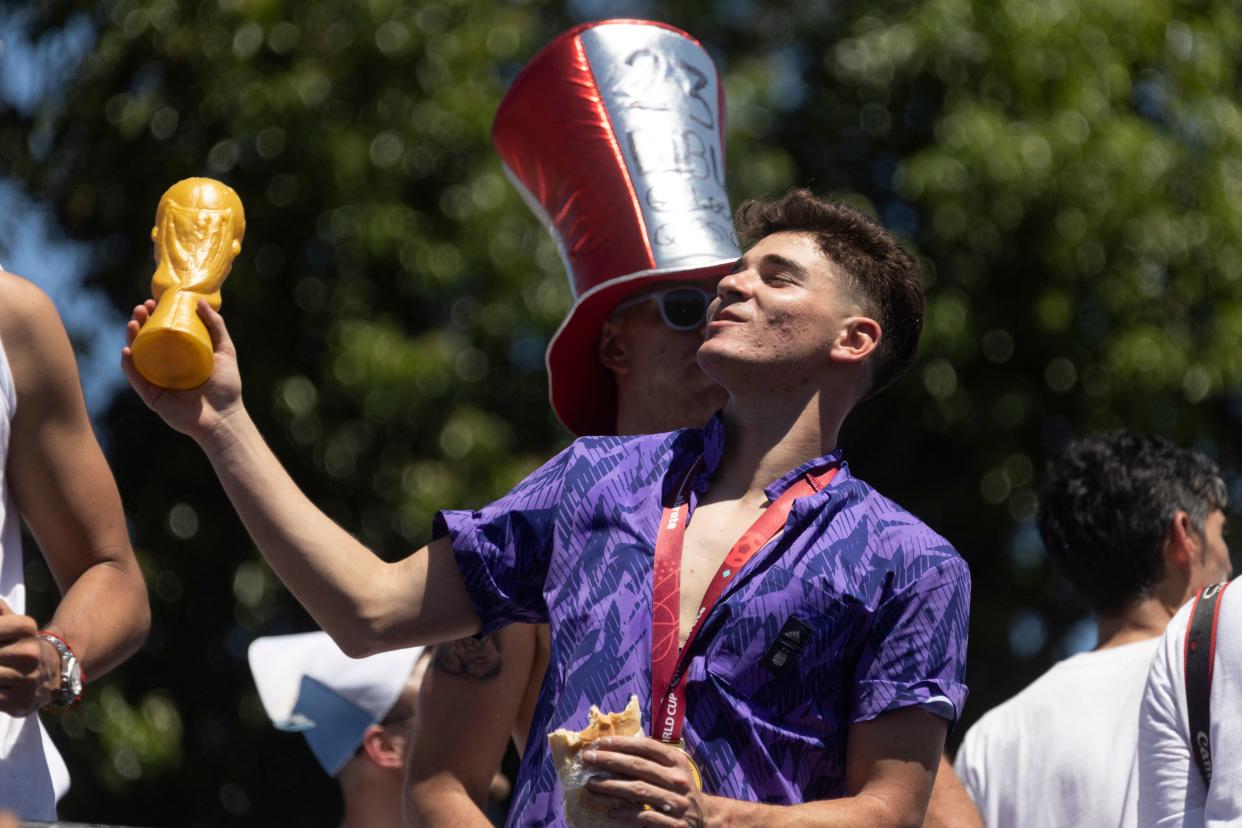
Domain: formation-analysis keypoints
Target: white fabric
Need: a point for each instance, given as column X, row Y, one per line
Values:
column 360, row 691
column 1173, row 792
column 279, row 662
column 1063, row 752
column 33, row 775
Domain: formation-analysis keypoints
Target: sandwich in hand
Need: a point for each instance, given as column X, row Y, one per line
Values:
column 584, row 809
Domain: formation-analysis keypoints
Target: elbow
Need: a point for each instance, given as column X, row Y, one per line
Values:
column 353, row 644
column 359, row 637
column 137, row 620
column 364, row 625
column 141, row 624
column 120, row 626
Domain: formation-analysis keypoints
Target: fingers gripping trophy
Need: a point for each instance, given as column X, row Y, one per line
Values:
column 198, row 231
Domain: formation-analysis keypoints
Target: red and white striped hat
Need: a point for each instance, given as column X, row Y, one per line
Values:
column 614, row 136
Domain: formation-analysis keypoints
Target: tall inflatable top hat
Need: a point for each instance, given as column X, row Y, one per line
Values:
column 308, row 685
column 614, row 136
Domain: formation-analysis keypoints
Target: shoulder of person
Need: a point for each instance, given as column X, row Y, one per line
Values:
column 643, row 453
column 24, row 303
column 607, row 443
column 35, row 341
column 994, row 731
column 893, row 526
column 1035, row 704
column 1006, row 730
column 1168, row 666
column 630, row 442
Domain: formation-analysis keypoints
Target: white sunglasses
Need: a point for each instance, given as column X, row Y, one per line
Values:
column 682, row 308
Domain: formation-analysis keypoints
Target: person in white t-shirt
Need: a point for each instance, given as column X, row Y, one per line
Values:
column 1135, row 524
column 54, row 478
column 1172, row 792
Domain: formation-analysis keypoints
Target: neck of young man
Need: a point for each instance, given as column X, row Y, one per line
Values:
column 767, row 435
column 1146, row 616
column 1140, row 620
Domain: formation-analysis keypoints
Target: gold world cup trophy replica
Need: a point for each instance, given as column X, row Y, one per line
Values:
column 198, row 231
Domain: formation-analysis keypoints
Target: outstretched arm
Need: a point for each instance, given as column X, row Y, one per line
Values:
column 454, row 757
column 366, row 604
column 64, row 490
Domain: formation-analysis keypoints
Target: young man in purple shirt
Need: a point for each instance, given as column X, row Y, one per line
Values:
column 821, row 683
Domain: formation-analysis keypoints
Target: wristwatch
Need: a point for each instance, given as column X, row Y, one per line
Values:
column 71, row 679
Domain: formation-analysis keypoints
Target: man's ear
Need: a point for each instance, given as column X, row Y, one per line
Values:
column 858, row 338
column 1182, row 544
column 612, row 351
column 384, row 747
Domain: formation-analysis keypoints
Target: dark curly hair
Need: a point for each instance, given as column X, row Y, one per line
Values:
column 882, row 275
column 1106, row 506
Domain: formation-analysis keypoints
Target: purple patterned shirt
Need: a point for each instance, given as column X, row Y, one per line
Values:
column 884, row 599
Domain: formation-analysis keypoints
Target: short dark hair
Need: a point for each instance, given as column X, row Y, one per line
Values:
column 882, row 275
column 1106, row 506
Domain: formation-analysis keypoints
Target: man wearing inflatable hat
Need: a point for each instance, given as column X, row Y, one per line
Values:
column 614, row 136
column 816, row 679
column 601, row 173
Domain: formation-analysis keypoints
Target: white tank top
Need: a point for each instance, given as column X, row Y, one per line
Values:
column 33, row 775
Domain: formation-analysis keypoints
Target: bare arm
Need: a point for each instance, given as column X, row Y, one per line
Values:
column 453, row 756
column 890, row 764
column 364, row 603
column 64, row 490
column 951, row 805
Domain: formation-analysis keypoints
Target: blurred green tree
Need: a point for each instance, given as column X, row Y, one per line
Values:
column 1067, row 172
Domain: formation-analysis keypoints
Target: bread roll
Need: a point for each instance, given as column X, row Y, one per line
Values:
column 584, row 809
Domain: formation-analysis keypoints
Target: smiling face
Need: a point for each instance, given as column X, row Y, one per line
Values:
column 786, row 319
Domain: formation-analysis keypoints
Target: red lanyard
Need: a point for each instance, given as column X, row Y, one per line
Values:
column 668, row 665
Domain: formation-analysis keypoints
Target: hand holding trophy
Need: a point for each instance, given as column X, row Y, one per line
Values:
column 198, row 231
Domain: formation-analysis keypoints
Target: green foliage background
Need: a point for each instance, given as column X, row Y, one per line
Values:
column 1069, row 173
